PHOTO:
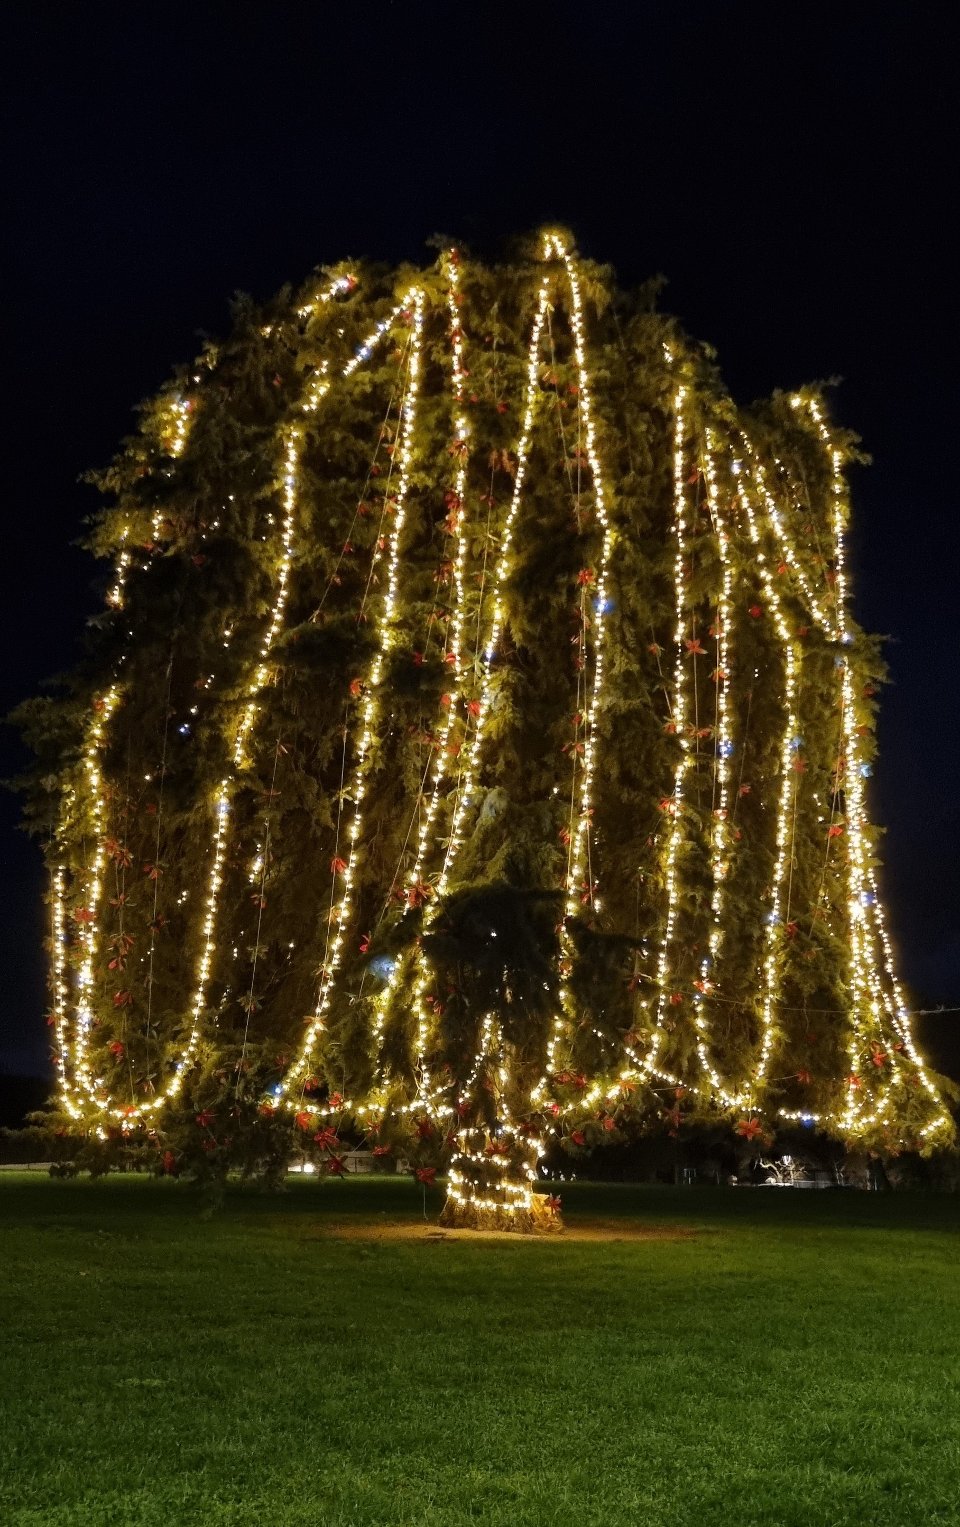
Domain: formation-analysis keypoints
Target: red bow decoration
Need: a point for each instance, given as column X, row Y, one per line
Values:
column 749, row 1128
column 303, row 1120
column 337, row 865
column 426, row 1175
column 586, row 576
column 118, row 1049
column 336, row 1166
column 122, row 998
column 206, row 1118
column 695, row 648
column 326, row 1138
column 755, row 611
column 578, row 1137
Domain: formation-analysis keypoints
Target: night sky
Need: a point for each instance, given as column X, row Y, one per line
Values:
column 791, row 168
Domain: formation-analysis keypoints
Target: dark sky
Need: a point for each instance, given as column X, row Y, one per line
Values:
column 791, row 168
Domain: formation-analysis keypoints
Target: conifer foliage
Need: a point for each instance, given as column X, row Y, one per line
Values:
column 473, row 747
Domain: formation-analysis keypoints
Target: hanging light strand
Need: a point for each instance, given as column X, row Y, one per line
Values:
column 94, row 1088
column 724, row 747
column 680, row 710
column 773, row 941
column 371, row 701
column 865, row 905
column 579, row 859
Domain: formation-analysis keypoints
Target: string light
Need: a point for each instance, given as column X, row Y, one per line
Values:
column 579, row 857
column 370, row 706
column 88, row 926
column 789, row 786
column 500, row 576
column 60, row 990
column 494, row 1171
column 865, row 903
column 94, row 1088
column 461, row 432
column 724, row 747
column 679, row 720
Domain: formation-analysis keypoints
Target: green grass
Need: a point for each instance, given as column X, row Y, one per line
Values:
column 794, row 1361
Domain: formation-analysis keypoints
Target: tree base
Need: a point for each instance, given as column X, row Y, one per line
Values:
column 541, row 1218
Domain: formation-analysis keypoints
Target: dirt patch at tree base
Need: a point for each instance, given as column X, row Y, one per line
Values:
column 404, row 1231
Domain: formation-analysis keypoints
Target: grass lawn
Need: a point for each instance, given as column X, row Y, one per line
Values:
column 772, row 1357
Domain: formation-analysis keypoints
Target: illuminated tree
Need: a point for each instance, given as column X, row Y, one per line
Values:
column 477, row 750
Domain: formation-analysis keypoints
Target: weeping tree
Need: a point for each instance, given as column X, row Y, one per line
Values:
column 473, row 749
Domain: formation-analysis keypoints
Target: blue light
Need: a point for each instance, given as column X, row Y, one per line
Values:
column 866, row 770
column 726, row 749
column 795, row 743
column 383, row 966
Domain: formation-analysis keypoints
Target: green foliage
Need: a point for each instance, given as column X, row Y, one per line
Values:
column 194, row 510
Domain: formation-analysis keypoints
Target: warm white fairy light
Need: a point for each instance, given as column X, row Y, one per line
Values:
column 679, row 719
column 60, row 989
column 485, row 1174
column 866, row 993
column 500, row 576
column 367, row 346
column 875, row 995
column 222, row 801
column 121, row 567
column 89, row 931
column 371, row 703
column 864, row 902
column 788, row 550
column 864, row 975
column 461, row 431
column 338, row 284
column 789, row 786
column 464, row 795
column 179, row 425
column 579, row 856
column 720, row 830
